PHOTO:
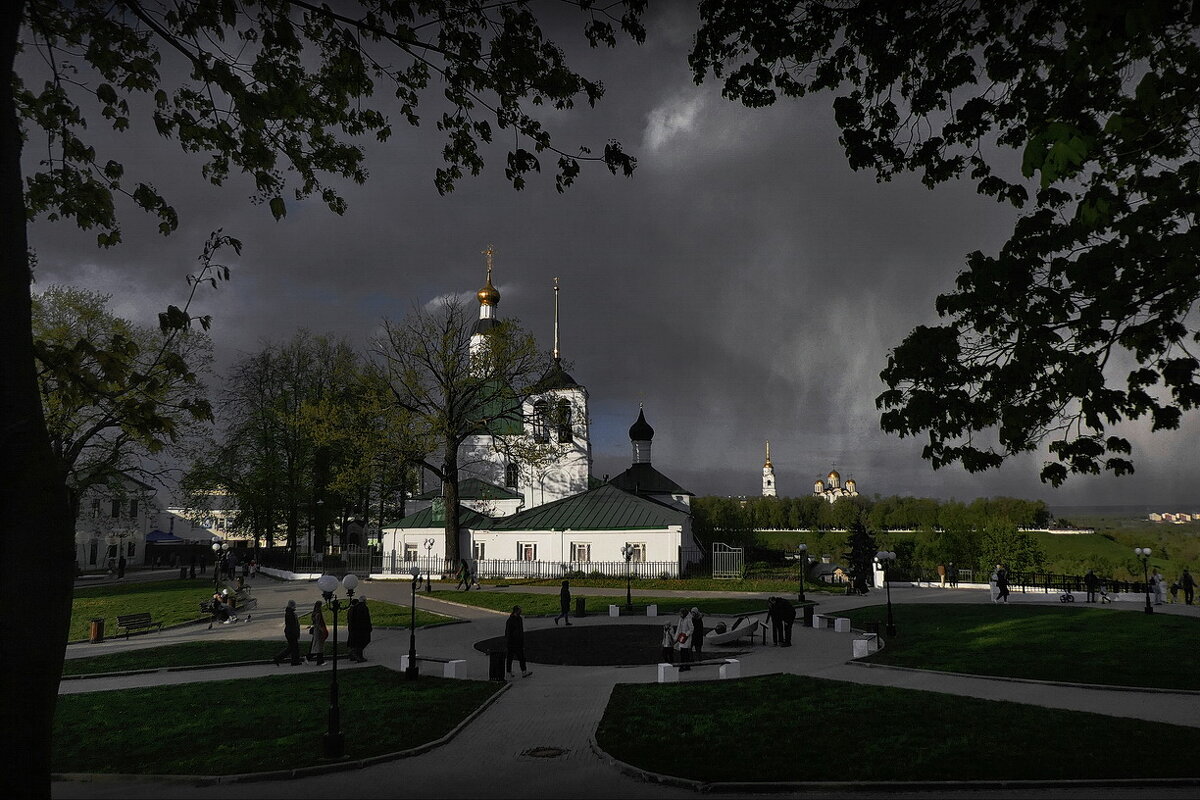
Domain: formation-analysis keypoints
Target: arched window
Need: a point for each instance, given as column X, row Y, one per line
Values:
column 562, row 421
column 541, row 418
column 510, row 476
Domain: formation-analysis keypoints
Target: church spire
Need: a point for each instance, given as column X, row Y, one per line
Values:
column 489, row 298
column 556, row 319
column 768, row 475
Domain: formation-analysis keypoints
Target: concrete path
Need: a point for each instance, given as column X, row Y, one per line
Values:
column 559, row 706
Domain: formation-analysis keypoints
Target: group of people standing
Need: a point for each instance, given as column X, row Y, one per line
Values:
column 358, row 632
column 683, row 638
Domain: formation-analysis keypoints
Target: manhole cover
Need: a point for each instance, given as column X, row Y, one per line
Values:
column 545, row 752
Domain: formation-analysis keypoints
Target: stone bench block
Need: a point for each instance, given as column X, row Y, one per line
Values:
column 732, row 668
column 652, row 610
column 614, row 611
column 668, row 673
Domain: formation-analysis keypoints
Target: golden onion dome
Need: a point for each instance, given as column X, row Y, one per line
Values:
column 488, row 296
column 833, row 475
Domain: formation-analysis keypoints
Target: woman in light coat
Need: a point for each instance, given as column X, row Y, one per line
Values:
column 320, row 632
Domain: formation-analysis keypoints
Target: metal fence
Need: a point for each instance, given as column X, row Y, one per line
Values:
column 367, row 562
column 499, row 568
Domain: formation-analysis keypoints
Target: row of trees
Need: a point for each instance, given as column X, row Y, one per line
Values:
column 739, row 518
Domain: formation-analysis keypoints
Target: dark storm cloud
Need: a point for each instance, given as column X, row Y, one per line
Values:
column 744, row 285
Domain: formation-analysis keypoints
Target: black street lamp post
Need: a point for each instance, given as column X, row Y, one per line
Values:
column 627, row 552
column 803, row 568
column 335, row 740
column 411, row 672
column 884, row 558
column 1144, row 554
column 429, row 564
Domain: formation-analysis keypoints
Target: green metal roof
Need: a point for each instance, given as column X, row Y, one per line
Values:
column 605, row 508
column 474, row 489
column 467, row 518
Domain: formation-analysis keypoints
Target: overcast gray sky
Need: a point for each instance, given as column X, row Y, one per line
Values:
column 744, row 284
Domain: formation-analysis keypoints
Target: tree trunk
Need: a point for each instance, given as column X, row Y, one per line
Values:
column 37, row 547
column 450, row 499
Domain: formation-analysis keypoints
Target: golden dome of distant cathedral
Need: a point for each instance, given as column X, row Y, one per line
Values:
column 834, row 476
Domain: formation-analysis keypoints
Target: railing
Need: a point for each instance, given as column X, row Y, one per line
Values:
column 393, row 563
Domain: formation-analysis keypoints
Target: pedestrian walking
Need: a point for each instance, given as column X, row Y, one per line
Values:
column 1189, row 586
column 683, row 639
column 564, row 603
column 121, row 566
column 1092, row 583
column 697, row 633
column 952, row 573
column 781, row 613
column 358, row 628
column 993, row 580
column 1001, row 584
column 941, row 570
column 291, row 632
column 1157, row 583
column 464, row 576
column 514, row 640
column 320, row 632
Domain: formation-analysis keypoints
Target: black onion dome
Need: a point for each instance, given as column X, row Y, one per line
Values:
column 641, row 431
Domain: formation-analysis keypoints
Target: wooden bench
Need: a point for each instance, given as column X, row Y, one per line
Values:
column 449, row 665
column 728, row 668
column 133, row 622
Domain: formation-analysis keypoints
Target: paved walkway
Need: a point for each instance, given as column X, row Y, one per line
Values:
column 560, row 706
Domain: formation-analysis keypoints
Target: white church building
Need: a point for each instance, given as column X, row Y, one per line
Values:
column 528, row 502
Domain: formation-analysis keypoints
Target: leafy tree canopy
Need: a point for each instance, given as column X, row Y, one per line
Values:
column 288, row 86
column 1081, row 320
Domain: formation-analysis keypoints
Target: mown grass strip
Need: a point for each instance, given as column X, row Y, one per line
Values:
column 1054, row 643
column 255, row 725
column 796, row 728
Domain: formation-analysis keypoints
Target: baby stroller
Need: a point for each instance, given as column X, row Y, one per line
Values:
column 1104, row 598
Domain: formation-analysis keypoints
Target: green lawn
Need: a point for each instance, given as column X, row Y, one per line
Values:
column 172, row 602
column 1064, row 643
column 383, row 615
column 220, row 651
column 753, row 730
column 541, row 604
column 254, row 725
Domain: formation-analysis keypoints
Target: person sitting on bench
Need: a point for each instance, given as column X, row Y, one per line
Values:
column 221, row 609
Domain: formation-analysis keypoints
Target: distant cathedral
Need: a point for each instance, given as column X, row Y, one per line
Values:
column 829, row 489
column 834, row 490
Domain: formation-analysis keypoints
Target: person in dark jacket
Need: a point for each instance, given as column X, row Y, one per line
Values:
column 564, row 603
column 358, row 628
column 514, row 640
column 787, row 616
column 464, row 576
column 782, row 614
column 697, row 632
column 1092, row 583
column 291, row 632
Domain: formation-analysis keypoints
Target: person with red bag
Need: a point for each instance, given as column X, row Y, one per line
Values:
column 683, row 639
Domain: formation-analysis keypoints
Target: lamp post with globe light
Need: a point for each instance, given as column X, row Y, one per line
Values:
column 884, row 558
column 411, row 672
column 429, row 543
column 335, row 740
column 627, row 551
column 1144, row 554
column 803, row 548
